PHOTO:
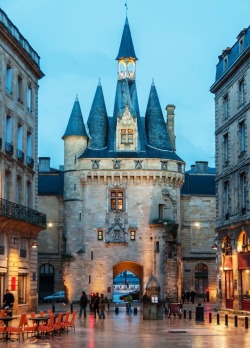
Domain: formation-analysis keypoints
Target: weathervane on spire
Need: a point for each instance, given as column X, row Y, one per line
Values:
column 126, row 5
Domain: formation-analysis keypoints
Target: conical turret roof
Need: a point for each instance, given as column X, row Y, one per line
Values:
column 126, row 47
column 75, row 125
column 98, row 121
column 156, row 130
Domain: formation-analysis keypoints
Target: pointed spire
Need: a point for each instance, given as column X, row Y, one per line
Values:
column 156, row 131
column 126, row 47
column 75, row 125
column 98, row 121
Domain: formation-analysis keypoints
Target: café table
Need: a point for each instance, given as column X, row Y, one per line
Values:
column 7, row 320
column 38, row 320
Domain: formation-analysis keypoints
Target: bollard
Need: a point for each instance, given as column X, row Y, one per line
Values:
column 218, row 319
column 199, row 313
column 235, row 321
column 210, row 317
column 246, row 322
column 135, row 310
column 226, row 319
column 116, row 310
column 184, row 314
column 190, row 315
column 53, row 308
column 71, row 307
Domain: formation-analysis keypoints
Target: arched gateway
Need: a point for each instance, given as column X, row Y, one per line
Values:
column 130, row 266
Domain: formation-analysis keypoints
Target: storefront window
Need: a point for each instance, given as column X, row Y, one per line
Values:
column 246, row 284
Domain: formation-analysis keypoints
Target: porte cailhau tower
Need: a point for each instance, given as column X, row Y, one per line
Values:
column 122, row 184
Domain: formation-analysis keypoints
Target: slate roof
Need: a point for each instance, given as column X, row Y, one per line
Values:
column 50, row 184
column 198, row 184
column 75, row 125
column 98, row 121
column 126, row 47
column 155, row 126
column 153, row 138
column 233, row 54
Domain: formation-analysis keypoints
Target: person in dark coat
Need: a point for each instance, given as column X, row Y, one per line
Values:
column 8, row 301
column 192, row 295
column 96, row 304
column 188, row 295
column 83, row 304
column 183, row 296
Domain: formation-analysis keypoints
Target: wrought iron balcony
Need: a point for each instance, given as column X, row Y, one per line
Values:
column 9, row 148
column 20, row 155
column 30, row 161
column 20, row 212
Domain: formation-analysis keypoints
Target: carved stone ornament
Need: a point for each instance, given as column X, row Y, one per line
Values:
column 116, row 233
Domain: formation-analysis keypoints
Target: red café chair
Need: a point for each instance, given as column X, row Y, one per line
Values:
column 57, row 324
column 17, row 330
column 71, row 321
column 65, row 321
column 2, row 325
column 46, row 329
column 30, row 328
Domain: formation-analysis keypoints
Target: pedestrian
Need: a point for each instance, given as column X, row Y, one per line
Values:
column 102, row 307
column 192, row 295
column 96, row 304
column 8, row 301
column 183, row 295
column 129, row 303
column 83, row 304
column 188, row 295
column 145, row 298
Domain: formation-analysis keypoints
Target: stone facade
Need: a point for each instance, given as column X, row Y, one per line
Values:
column 232, row 120
column 123, row 208
column 20, row 223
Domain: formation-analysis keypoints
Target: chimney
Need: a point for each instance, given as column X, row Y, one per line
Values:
column 44, row 164
column 201, row 166
column 170, row 124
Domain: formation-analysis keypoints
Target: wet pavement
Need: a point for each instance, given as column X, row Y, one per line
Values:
column 131, row 331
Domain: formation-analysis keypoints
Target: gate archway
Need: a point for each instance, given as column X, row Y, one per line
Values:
column 130, row 266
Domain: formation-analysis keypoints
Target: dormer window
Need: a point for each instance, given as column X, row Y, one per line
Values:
column 225, row 63
column 127, row 136
column 241, row 44
column 126, row 131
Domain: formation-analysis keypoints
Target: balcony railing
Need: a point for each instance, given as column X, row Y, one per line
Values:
column 21, row 212
column 9, row 148
column 20, row 155
column 30, row 161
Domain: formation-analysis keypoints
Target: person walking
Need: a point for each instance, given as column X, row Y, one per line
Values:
column 102, row 307
column 8, row 301
column 96, row 304
column 188, row 295
column 183, row 296
column 83, row 304
column 129, row 302
column 192, row 295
